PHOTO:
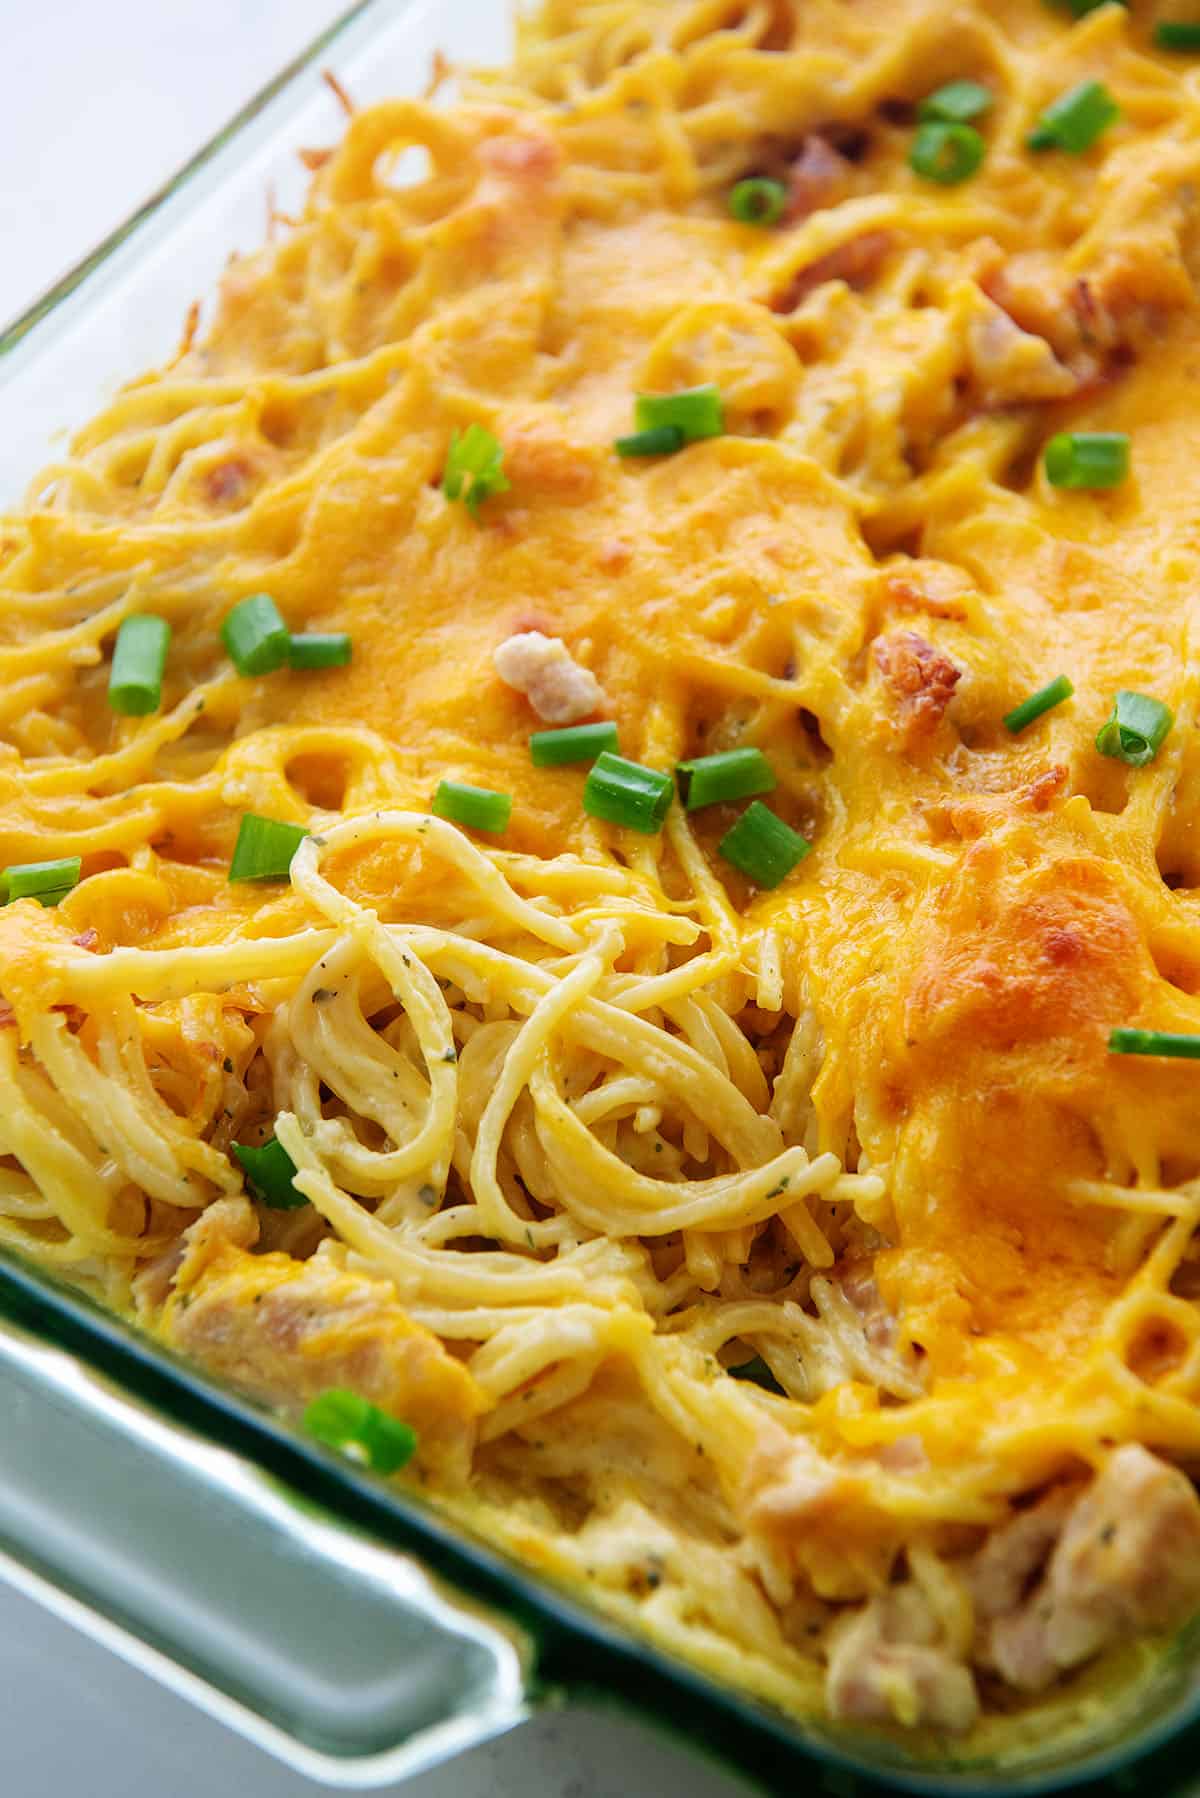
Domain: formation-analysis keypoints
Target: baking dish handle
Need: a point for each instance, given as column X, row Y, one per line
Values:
column 341, row 1657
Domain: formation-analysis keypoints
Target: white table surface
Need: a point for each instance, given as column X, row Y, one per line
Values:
column 102, row 100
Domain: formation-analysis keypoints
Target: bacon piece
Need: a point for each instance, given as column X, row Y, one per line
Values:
column 856, row 262
column 920, row 678
column 1044, row 788
column 906, row 593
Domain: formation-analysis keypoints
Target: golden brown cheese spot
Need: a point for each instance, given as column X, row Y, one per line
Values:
column 1015, row 960
column 1001, row 1082
column 539, row 459
column 286, row 1330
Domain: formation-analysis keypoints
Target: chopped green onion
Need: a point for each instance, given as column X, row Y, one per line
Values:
column 1135, row 730
column 319, row 649
column 47, row 882
column 1075, row 120
column 1044, row 700
column 662, row 440
column 1154, row 1042
column 1087, row 459
column 256, row 636
column 139, row 657
column 945, row 152
column 1177, row 34
column 264, row 849
column 695, row 411
column 957, row 102
column 342, row 1420
column 731, row 774
column 474, row 467
column 577, row 743
column 758, row 200
column 757, row 1372
column 762, row 846
column 476, row 807
column 626, row 793
column 269, row 1172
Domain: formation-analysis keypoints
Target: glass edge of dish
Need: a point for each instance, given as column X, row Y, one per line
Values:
column 14, row 332
column 574, row 1650
column 760, row 1744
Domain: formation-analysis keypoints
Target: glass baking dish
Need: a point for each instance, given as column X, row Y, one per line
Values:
column 343, row 1626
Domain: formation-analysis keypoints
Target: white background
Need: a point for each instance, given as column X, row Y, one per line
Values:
column 103, row 99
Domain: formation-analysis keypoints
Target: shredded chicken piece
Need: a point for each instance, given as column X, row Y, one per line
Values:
column 285, row 1330
column 817, row 177
column 887, row 1665
column 857, row 1281
column 789, row 1480
column 1018, row 1550
column 856, row 262
column 920, row 678
column 1127, row 1561
column 541, row 667
column 1012, row 367
column 903, row 1454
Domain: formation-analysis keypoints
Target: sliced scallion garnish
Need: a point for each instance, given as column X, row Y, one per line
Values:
column 47, row 882
column 139, row 657
column 1177, row 34
column 695, row 411
column 1087, row 459
column 269, row 1172
column 264, row 848
column 255, row 636
column 355, row 1427
column 730, row 774
column 762, row 847
column 574, row 743
column 958, row 102
column 626, row 793
column 1175, row 1044
column 319, row 649
column 479, row 808
column 474, row 467
column 1075, row 120
column 1044, row 700
column 946, row 152
column 1135, row 729
column 758, row 200
column 661, row 440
